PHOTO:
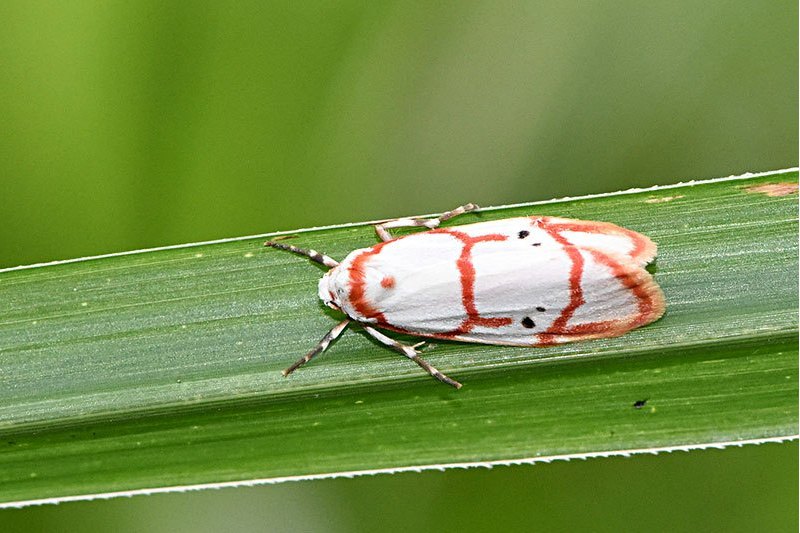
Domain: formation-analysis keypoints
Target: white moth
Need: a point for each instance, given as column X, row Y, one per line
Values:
column 529, row 281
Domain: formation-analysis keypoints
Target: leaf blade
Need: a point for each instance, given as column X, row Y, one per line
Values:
column 185, row 345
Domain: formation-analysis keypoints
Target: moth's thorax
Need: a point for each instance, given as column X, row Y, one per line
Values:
column 326, row 290
column 343, row 287
column 334, row 289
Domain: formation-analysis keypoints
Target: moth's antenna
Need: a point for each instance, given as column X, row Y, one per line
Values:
column 329, row 337
column 314, row 255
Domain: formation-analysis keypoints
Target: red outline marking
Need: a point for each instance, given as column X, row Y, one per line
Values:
column 575, row 289
column 636, row 279
column 643, row 248
column 467, row 271
column 357, row 293
column 633, row 280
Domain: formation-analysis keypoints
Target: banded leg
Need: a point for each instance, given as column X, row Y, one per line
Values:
column 430, row 223
column 314, row 255
column 329, row 337
column 412, row 353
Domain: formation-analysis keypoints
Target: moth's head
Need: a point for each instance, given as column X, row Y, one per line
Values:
column 327, row 290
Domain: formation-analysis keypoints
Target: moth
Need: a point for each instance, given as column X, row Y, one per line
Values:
column 528, row 281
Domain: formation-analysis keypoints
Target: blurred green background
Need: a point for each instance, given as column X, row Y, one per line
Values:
column 137, row 124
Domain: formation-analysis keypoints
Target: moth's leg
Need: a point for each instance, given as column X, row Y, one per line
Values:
column 430, row 223
column 314, row 255
column 412, row 353
column 319, row 348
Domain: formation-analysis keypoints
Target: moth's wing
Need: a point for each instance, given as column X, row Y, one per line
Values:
column 603, row 236
column 560, row 294
column 414, row 284
column 618, row 294
column 426, row 284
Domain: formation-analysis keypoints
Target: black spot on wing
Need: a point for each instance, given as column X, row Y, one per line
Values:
column 528, row 323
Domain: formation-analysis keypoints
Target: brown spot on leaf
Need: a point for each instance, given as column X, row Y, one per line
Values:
column 774, row 189
column 662, row 199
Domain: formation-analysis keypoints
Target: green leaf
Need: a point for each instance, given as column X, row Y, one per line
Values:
column 162, row 368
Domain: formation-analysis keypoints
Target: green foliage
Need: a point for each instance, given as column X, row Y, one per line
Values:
column 161, row 368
